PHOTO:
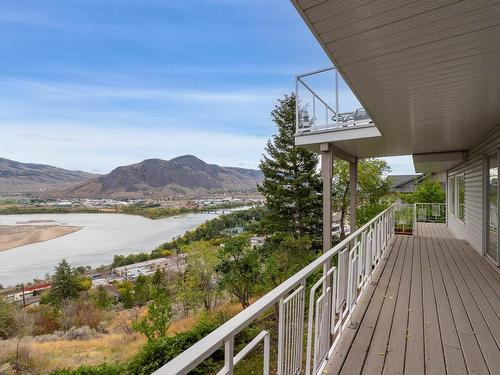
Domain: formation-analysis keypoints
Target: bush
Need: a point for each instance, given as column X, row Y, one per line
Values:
column 22, row 363
column 81, row 333
column 429, row 191
column 158, row 353
column 367, row 212
column 7, row 319
column 46, row 319
column 104, row 369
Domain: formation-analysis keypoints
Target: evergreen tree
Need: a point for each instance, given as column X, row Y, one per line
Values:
column 142, row 290
column 292, row 185
column 65, row 283
column 102, row 298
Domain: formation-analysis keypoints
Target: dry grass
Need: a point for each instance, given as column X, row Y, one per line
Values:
column 115, row 347
column 52, row 355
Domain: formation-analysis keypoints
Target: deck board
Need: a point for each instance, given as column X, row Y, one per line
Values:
column 363, row 338
column 414, row 362
column 395, row 361
column 377, row 350
column 434, row 355
column 435, row 310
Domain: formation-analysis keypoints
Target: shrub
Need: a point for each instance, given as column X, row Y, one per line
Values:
column 158, row 353
column 81, row 333
column 105, row 369
column 7, row 319
column 46, row 319
column 21, row 362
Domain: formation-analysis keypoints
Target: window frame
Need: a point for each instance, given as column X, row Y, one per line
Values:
column 454, row 196
column 486, row 208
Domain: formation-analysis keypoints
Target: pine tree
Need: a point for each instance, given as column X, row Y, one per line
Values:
column 292, row 185
column 64, row 283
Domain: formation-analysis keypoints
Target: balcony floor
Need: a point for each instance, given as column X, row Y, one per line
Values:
column 433, row 307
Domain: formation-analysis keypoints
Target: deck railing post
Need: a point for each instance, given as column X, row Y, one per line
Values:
column 229, row 356
column 414, row 219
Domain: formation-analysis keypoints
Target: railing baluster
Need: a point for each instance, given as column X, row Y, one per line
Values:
column 281, row 329
column 267, row 354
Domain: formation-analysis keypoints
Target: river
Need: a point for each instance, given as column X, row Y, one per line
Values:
column 100, row 238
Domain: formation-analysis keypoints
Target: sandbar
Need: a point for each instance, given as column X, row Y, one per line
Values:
column 12, row 236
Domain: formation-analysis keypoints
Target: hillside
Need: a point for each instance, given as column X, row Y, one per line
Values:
column 182, row 176
column 17, row 177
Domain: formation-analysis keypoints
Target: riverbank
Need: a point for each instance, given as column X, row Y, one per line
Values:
column 12, row 236
column 153, row 213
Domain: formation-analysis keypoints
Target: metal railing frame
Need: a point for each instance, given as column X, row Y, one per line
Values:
column 341, row 287
column 336, row 112
column 440, row 217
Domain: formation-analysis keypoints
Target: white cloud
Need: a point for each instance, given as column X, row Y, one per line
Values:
column 102, row 149
column 400, row 164
column 65, row 90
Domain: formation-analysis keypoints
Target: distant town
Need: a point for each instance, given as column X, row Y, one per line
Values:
column 202, row 202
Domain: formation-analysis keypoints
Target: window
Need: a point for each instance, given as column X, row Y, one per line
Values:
column 456, row 196
column 451, row 195
column 491, row 197
column 461, row 197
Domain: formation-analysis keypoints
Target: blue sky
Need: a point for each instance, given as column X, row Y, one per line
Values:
column 94, row 84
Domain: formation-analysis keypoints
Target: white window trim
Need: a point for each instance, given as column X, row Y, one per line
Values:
column 486, row 208
column 456, row 204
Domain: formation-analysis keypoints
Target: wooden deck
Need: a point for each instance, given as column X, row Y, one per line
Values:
column 433, row 307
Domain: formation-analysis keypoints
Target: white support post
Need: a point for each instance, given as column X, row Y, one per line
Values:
column 353, row 183
column 327, row 174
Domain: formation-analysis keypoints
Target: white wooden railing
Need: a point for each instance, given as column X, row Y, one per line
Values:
column 347, row 270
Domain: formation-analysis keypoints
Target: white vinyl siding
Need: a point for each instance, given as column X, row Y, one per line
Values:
column 472, row 229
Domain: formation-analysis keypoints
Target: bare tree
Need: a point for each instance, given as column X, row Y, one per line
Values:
column 23, row 326
column 67, row 314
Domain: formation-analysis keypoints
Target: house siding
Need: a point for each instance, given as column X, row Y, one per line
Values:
column 472, row 230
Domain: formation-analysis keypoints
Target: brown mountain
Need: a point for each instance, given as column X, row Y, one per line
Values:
column 17, row 177
column 185, row 175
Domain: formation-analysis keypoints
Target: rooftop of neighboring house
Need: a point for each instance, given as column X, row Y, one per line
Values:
column 406, row 183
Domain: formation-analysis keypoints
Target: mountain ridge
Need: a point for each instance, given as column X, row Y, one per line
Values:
column 184, row 175
column 18, row 177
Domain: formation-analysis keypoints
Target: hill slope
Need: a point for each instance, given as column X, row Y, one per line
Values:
column 17, row 177
column 185, row 175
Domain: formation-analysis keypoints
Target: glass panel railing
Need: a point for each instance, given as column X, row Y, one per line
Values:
column 431, row 212
column 325, row 101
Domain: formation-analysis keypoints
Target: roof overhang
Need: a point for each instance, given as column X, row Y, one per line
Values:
column 438, row 161
column 426, row 71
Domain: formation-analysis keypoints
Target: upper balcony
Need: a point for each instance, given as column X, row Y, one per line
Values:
column 328, row 111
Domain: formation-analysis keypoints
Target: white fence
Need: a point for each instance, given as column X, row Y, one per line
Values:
column 347, row 269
